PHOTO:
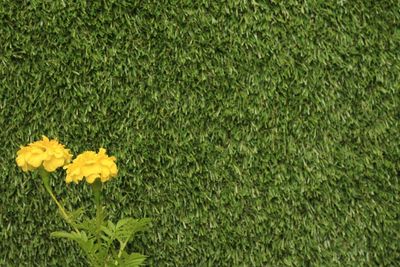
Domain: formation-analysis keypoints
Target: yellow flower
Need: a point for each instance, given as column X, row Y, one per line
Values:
column 91, row 165
column 47, row 153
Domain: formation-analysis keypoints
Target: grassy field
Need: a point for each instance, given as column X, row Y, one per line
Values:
column 254, row 133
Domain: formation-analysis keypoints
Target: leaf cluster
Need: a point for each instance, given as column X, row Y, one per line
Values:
column 106, row 245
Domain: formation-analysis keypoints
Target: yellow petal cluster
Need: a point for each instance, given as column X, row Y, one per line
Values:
column 91, row 165
column 47, row 153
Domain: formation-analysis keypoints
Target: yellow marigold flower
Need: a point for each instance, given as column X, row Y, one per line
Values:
column 47, row 153
column 91, row 165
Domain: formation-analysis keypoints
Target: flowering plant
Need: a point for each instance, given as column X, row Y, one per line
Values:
column 103, row 241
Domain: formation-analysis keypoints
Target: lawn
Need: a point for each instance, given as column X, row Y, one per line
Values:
column 253, row 133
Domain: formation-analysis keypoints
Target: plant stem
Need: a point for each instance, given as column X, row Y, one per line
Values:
column 122, row 247
column 46, row 182
column 96, row 186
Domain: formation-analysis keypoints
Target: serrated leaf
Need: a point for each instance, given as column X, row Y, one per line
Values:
column 72, row 236
column 107, row 231
column 94, row 251
column 126, row 228
column 131, row 260
column 75, row 215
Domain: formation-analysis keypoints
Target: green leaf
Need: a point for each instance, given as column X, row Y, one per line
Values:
column 131, row 260
column 95, row 252
column 72, row 236
column 126, row 228
column 90, row 225
column 75, row 215
column 109, row 230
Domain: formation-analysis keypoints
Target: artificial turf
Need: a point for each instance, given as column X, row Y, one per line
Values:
column 253, row 133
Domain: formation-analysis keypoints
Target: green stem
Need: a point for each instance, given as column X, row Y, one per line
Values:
column 96, row 186
column 46, row 182
column 122, row 247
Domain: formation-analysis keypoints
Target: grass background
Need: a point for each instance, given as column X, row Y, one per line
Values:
column 254, row 133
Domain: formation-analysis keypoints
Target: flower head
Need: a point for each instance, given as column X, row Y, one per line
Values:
column 47, row 153
column 91, row 165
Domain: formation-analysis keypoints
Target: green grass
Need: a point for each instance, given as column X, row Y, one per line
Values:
column 254, row 133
